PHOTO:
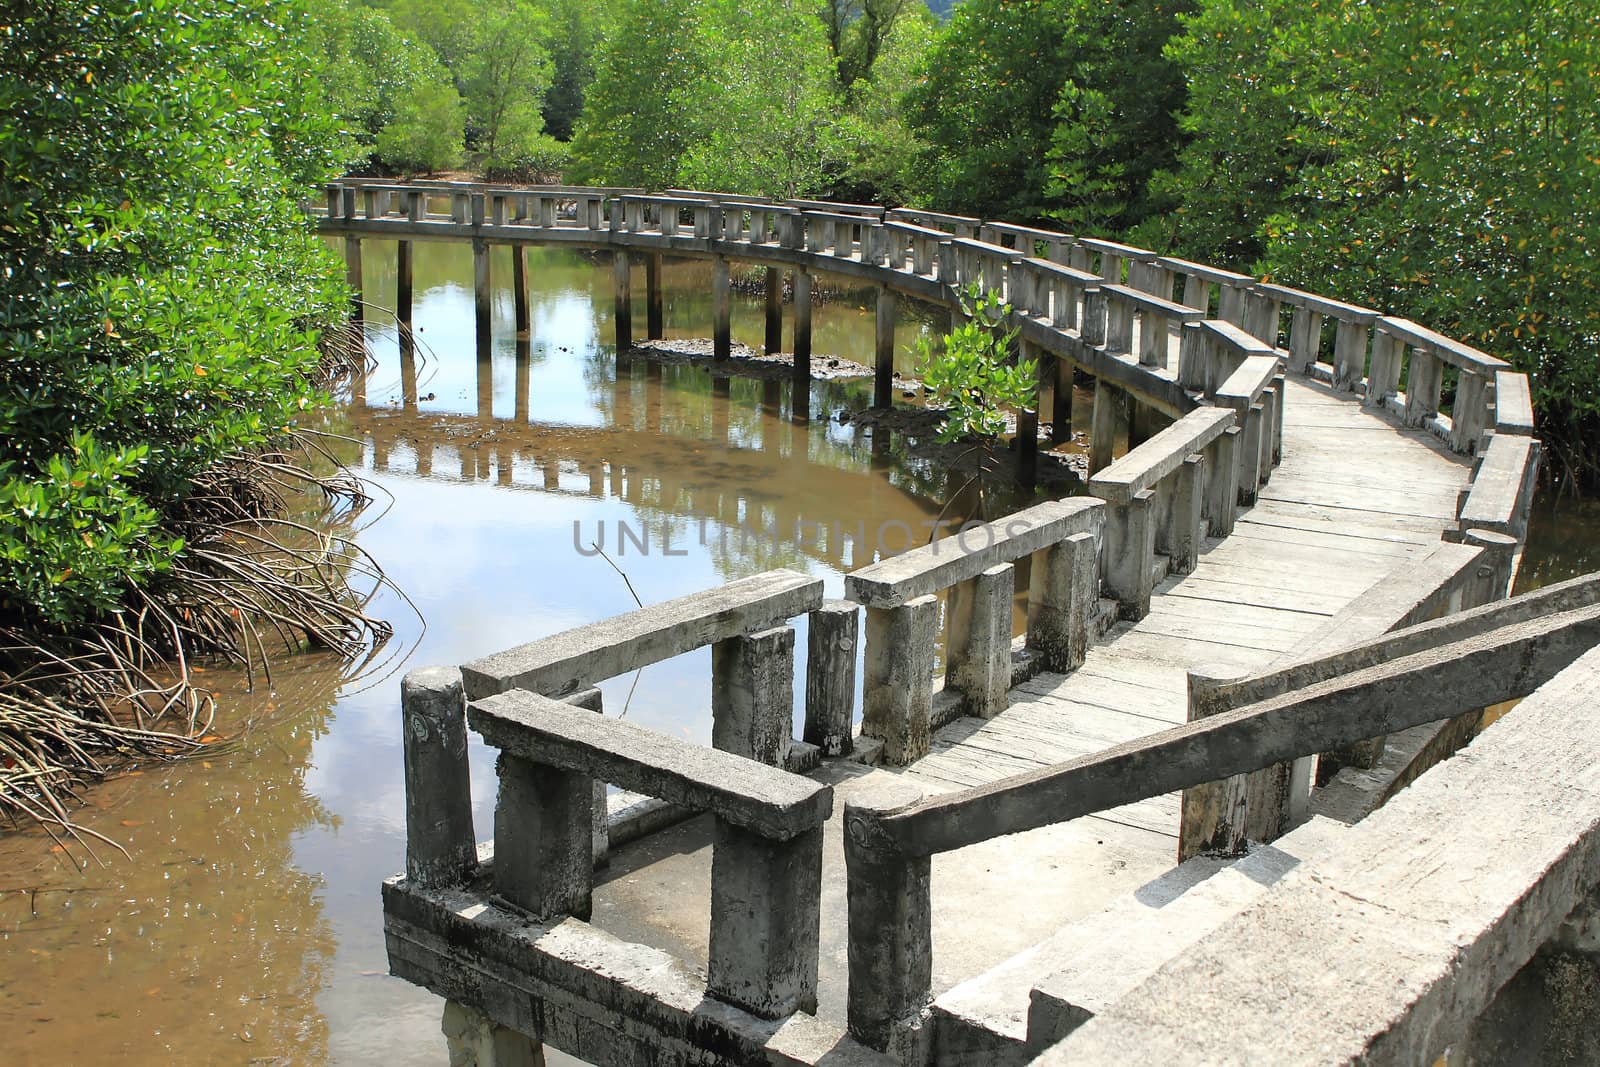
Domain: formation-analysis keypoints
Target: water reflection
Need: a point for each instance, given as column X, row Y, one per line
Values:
column 245, row 926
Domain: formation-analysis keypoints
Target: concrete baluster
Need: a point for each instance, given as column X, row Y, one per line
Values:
column 978, row 640
column 1423, row 386
column 1128, row 560
column 752, row 695
column 897, row 695
column 1063, row 593
column 766, row 908
column 832, row 636
column 440, row 848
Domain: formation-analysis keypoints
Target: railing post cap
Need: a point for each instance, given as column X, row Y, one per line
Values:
column 431, row 680
column 1488, row 538
column 884, row 794
column 1210, row 675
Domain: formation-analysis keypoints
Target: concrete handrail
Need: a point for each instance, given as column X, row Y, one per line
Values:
column 1502, row 487
column 1061, row 538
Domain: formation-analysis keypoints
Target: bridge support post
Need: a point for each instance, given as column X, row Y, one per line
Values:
column 1129, row 558
column 592, row 700
column 440, row 847
column 544, row 838
column 352, row 276
column 622, row 285
column 802, row 324
column 1225, row 815
column 1061, row 401
column 654, row 320
column 721, row 310
column 774, row 331
column 1103, row 432
column 897, row 696
column 524, row 368
column 1222, row 486
column 519, row 289
column 766, row 918
column 883, row 370
column 890, row 926
column 833, row 631
column 1142, row 423
column 1028, row 447
column 1250, row 453
column 480, row 293
column 402, row 283
column 475, row 1040
column 485, row 381
column 752, row 695
column 978, row 640
column 1349, row 355
column 1063, row 590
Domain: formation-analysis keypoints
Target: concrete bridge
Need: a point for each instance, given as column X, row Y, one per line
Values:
column 1164, row 818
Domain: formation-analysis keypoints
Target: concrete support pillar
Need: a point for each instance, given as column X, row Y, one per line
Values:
column 544, row 838
column 408, row 375
column 519, row 289
column 481, row 294
column 1222, row 483
column 1061, row 401
column 485, row 382
column 622, row 284
column 721, row 310
column 654, row 318
column 766, row 907
column 802, row 324
column 897, row 695
column 1224, row 816
column 752, row 695
column 883, row 368
column 1142, row 423
column 890, row 927
column 440, row 847
column 833, row 632
column 1028, row 447
column 978, row 640
column 472, row 1039
column 352, row 276
column 774, row 331
column 1181, row 538
column 524, row 371
column 1250, row 453
column 403, row 274
column 1127, row 564
column 1063, row 591
column 592, row 700
column 1103, row 431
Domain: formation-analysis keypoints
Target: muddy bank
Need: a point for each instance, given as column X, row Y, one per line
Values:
column 1059, row 471
column 748, row 362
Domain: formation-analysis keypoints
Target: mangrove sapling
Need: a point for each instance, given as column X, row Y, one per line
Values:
column 974, row 376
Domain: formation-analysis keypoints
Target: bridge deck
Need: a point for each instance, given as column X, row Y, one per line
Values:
column 1324, row 530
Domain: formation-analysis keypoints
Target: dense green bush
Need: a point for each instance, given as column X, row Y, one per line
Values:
column 162, row 289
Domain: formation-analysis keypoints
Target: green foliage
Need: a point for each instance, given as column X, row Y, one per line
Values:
column 857, row 32
column 426, row 133
column 162, row 289
column 970, row 372
column 373, row 72
column 879, row 147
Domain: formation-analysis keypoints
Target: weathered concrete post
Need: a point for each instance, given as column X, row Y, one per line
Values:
column 544, row 838
column 1061, row 401
column 1063, row 587
column 766, row 910
column 890, row 926
column 978, row 640
column 831, row 676
column 1223, row 816
column 440, row 848
column 524, row 370
column 897, row 697
column 1129, row 558
column 1142, row 420
column 593, row 700
column 1028, row 447
column 774, row 324
column 883, row 371
column 802, row 324
column 752, row 695
column 622, row 315
column 481, row 293
column 519, row 288
column 721, row 310
column 654, row 319
column 1222, row 487
column 352, row 276
column 403, row 282
column 1184, row 515
column 1349, row 355
column 485, row 380
column 1250, row 453
column 1269, row 423
column 475, row 1040
column 1103, row 430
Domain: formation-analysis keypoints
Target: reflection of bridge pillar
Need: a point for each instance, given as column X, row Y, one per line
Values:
column 597, row 479
column 883, row 372
column 622, row 400
column 616, row 481
column 1108, row 399
column 652, row 398
column 774, row 338
column 524, row 373
column 654, row 320
column 621, row 275
column 802, row 324
column 721, row 310
column 552, row 473
column 480, row 294
column 403, row 284
column 352, row 275
column 502, row 467
column 424, row 458
column 408, row 379
column 1061, row 401
column 719, row 409
column 485, row 384
column 519, row 287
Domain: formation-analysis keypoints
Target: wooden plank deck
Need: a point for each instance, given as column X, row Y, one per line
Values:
column 1355, row 497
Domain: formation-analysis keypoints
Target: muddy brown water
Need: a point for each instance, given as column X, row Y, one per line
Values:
column 244, row 924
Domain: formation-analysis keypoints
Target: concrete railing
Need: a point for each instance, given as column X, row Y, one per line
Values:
column 901, row 705
column 1418, row 675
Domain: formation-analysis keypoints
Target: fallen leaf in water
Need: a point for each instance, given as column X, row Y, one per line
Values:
column 152, row 991
column 209, row 739
column 133, row 822
column 238, row 918
column 206, row 764
column 41, row 953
